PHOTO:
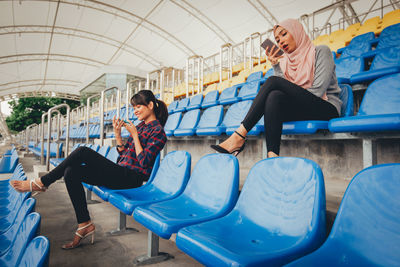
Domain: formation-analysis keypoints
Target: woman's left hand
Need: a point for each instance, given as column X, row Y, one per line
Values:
column 131, row 128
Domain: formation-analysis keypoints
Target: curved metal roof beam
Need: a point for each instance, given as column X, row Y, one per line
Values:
column 264, row 12
column 203, row 19
column 40, row 84
column 118, row 12
column 29, row 94
column 21, row 29
column 36, row 80
column 52, row 57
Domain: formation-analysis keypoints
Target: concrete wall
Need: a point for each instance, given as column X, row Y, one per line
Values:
column 339, row 159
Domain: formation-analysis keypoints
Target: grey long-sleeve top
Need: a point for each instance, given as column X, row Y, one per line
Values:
column 325, row 80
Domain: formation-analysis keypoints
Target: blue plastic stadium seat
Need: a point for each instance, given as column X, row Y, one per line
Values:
column 172, row 123
column 104, row 192
column 210, row 99
column 279, row 217
column 366, row 228
column 255, row 76
column 195, row 102
column 187, row 127
column 182, row 105
column 379, row 109
column 172, row 107
column 230, row 95
column 37, row 253
column 9, row 163
column 385, row 62
column 211, row 193
column 390, row 37
column 348, row 66
column 358, row 45
column 26, row 233
column 170, row 180
column 234, row 117
column 249, row 90
column 55, row 161
column 269, row 73
column 8, row 236
column 312, row 126
column 210, row 120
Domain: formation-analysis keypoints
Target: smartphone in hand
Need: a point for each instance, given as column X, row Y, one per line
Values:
column 269, row 44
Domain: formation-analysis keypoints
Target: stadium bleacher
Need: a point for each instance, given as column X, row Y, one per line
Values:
column 279, row 215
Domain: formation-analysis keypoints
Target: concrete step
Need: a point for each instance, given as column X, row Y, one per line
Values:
column 39, row 171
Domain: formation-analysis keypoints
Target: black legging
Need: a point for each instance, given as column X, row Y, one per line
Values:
column 280, row 100
column 86, row 165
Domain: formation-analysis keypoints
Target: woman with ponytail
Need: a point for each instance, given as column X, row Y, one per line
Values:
column 135, row 162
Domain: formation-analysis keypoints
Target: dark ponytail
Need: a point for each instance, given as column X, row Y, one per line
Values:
column 144, row 97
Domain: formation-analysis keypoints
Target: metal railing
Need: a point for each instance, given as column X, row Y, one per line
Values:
column 49, row 112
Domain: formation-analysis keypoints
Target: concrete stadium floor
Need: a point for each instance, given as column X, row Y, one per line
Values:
column 59, row 224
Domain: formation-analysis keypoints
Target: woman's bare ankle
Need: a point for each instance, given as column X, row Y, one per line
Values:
column 271, row 154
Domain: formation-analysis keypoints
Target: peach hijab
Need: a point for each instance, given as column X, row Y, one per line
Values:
column 298, row 66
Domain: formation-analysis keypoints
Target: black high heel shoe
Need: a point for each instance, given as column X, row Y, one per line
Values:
column 235, row 152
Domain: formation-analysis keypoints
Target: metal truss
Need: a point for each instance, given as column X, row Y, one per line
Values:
column 21, row 29
column 39, row 94
column 263, row 10
column 37, row 82
column 129, row 16
column 51, row 57
column 203, row 19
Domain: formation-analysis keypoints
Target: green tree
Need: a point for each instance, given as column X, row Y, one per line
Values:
column 26, row 111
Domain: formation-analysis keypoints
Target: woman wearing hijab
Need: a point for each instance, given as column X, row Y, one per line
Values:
column 304, row 87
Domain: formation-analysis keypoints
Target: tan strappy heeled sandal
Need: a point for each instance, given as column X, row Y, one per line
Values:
column 71, row 245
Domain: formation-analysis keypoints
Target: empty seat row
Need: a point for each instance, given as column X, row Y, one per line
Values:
column 55, row 149
column 19, row 226
column 278, row 217
column 378, row 112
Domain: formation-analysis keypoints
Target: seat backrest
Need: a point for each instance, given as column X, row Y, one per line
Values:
column 26, row 208
column 389, row 36
column 113, row 154
column 104, row 151
column 347, row 66
column 37, row 253
column 75, row 146
column 389, row 57
column 183, row 103
column 229, row 92
column 26, row 232
column 190, row 119
column 95, row 147
column 196, row 100
column 214, row 182
column 382, row 96
column 269, row 73
column 172, row 106
column 173, row 121
column 236, row 113
column 211, row 117
column 359, row 45
column 173, row 173
column 249, row 88
column 286, row 196
column 368, row 219
column 211, row 97
column 346, row 96
column 255, row 76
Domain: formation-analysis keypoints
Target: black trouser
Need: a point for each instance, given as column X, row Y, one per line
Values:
column 280, row 100
column 86, row 165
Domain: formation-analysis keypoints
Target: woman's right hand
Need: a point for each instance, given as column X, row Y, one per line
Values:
column 117, row 124
column 271, row 55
